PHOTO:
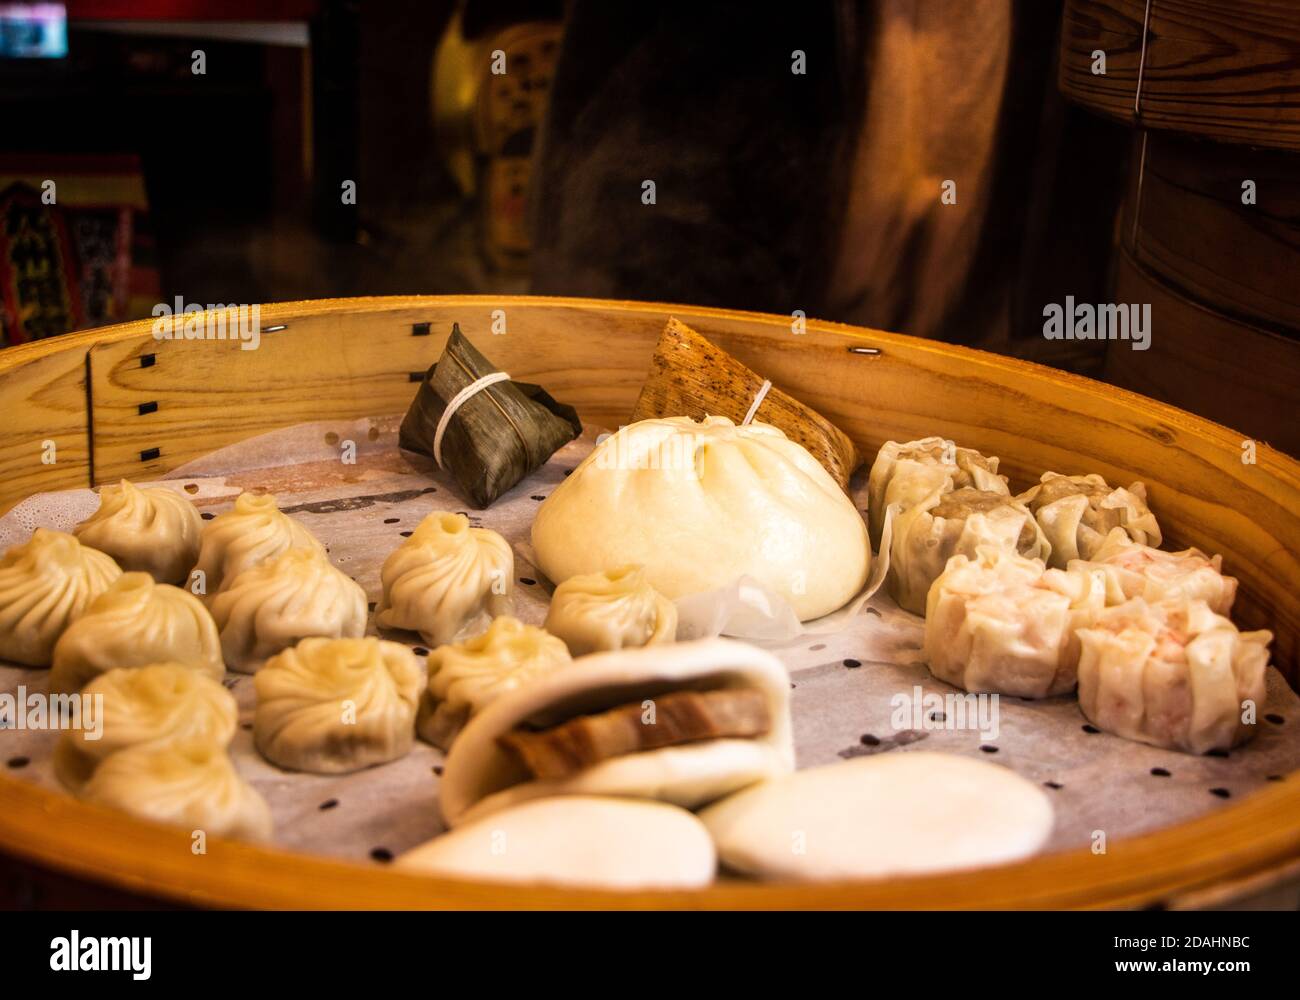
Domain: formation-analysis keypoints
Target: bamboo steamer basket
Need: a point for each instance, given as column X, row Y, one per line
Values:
column 116, row 402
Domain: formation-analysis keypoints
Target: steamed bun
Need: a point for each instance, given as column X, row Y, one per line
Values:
column 253, row 531
column 153, row 530
column 611, row 610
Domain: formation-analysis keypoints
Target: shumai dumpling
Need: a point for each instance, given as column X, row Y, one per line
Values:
column 133, row 623
column 616, row 609
column 253, row 531
column 46, row 584
column 446, row 581
column 945, row 524
column 272, row 605
column 1002, row 623
column 193, row 785
column 465, row 677
column 1135, row 570
column 1077, row 513
column 1173, row 674
column 701, row 505
column 153, row 530
column 160, row 703
column 906, row 473
column 330, row 706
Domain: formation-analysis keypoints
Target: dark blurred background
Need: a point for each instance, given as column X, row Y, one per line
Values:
column 934, row 167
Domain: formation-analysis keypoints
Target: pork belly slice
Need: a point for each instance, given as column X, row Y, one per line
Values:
column 679, row 717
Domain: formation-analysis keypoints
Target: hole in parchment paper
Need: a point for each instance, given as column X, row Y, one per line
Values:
column 191, row 487
column 1276, row 719
column 437, row 769
column 937, row 716
column 406, row 534
column 817, row 648
column 1222, row 793
column 331, row 438
column 988, row 748
column 1160, row 772
column 527, row 581
column 328, row 804
column 420, row 651
column 373, row 434
column 537, row 497
column 1089, row 728
column 1274, row 777
column 18, row 762
column 1054, row 785
column 853, row 664
column 392, row 520
column 1216, row 752
column 867, row 740
column 382, row 854
column 207, row 515
column 370, row 606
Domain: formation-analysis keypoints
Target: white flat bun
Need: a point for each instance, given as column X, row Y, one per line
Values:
column 481, row 777
column 872, row 817
column 578, row 841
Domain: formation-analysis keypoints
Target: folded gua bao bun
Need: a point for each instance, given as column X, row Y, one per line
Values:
column 747, row 690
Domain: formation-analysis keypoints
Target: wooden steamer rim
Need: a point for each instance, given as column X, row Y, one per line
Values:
column 117, row 402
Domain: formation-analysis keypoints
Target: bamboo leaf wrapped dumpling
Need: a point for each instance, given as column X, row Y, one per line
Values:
column 330, row 706
column 46, row 584
column 159, row 703
column 152, row 530
column 133, row 623
column 616, row 609
column 276, row 603
column 447, row 581
column 253, row 531
column 945, row 524
column 1002, row 623
column 905, row 473
column 494, row 437
column 1135, row 570
column 1077, row 513
column 465, row 677
column 1172, row 674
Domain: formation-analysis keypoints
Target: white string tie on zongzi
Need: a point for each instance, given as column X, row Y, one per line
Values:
column 458, row 400
column 758, row 401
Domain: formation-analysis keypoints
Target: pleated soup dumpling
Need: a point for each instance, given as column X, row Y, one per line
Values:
column 1172, row 674
column 46, row 584
column 905, row 473
column 254, row 530
column 702, row 504
column 330, row 706
column 153, row 530
column 135, row 622
column 945, row 524
column 466, row 677
column 1135, row 570
column 611, row 610
column 272, row 605
column 446, row 581
column 1002, row 623
column 159, row 703
column 1077, row 513
column 191, row 784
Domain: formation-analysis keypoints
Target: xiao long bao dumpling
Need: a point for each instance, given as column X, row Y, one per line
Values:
column 700, row 505
column 160, row 703
column 1173, row 674
column 464, row 678
column 192, row 785
column 1002, row 623
column 45, row 585
column 274, row 604
column 447, row 580
column 254, row 530
column 1077, row 513
column 154, row 530
column 906, row 473
column 945, row 524
column 611, row 610
column 330, row 706
column 1134, row 570
column 133, row 623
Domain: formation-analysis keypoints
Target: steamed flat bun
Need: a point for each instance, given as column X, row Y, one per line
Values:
column 700, row 505
column 133, row 623
column 578, row 841
column 46, row 584
column 160, row 703
column 153, row 530
column 253, row 531
column 330, row 706
column 447, row 581
column 1076, row 514
column 901, row 813
column 905, row 473
column 191, row 785
column 611, row 610
column 273, row 604
column 1172, row 674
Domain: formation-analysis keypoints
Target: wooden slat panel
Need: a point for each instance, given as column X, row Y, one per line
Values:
column 1224, row 69
column 42, row 398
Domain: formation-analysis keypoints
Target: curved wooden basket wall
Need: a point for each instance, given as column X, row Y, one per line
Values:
column 116, row 402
